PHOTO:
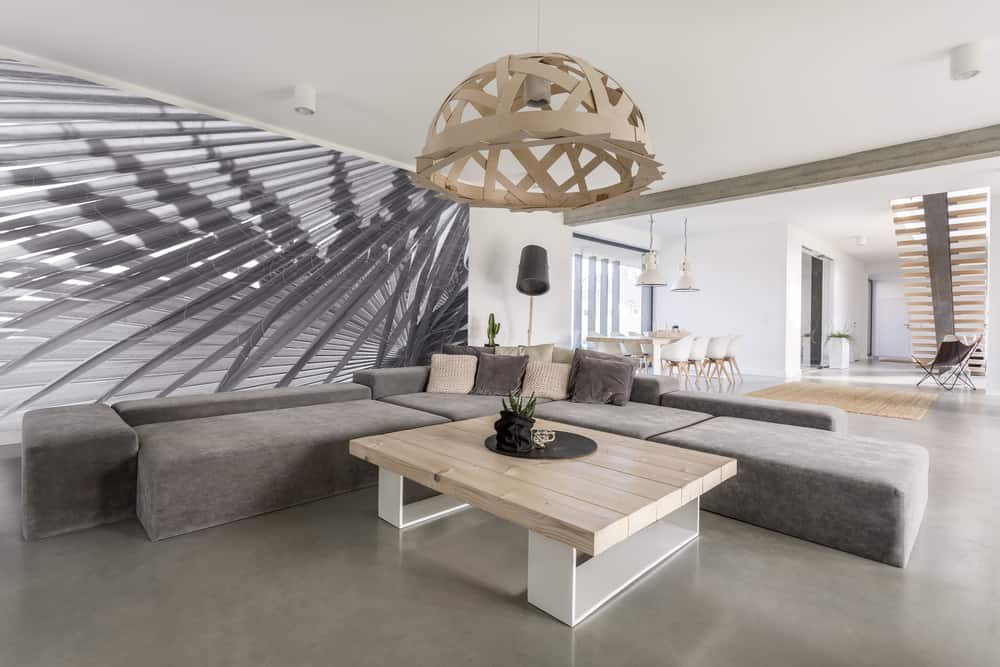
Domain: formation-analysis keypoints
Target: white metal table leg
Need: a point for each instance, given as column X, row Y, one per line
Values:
column 392, row 509
column 571, row 592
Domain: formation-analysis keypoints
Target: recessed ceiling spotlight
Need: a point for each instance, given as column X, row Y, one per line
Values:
column 966, row 61
column 861, row 240
column 305, row 99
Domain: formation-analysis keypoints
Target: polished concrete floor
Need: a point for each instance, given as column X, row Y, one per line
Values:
column 329, row 584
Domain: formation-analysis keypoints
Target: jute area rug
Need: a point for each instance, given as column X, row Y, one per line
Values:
column 898, row 403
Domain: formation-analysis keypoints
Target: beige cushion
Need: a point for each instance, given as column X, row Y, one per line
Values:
column 562, row 355
column 546, row 380
column 507, row 350
column 538, row 352
column 452, row 374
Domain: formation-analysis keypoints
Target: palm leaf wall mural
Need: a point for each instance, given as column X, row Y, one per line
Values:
column 148, row 250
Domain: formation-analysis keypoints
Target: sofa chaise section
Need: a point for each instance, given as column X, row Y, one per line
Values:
column 822, row 417
column 77, row 469
column 860, row 495
column 198, row 473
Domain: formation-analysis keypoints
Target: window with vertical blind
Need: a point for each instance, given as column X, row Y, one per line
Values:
column 606, row 299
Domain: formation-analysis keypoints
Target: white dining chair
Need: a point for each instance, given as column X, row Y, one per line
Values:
column 699, row 350
column 718, row 347
column 676, row 355
column 734, row 366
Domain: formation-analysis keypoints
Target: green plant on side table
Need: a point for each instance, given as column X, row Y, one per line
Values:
column 492, row 329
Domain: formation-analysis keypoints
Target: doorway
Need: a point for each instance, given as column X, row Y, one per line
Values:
column 890, row 321
column 817, row 306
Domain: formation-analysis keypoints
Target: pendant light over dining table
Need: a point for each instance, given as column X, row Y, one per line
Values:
column 537, row 131
column 685, row 281
column 651, row 275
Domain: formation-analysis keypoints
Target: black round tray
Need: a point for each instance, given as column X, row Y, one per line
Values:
column 565, row 446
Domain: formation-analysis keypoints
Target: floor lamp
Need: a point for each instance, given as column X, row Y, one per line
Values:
column 533, row 277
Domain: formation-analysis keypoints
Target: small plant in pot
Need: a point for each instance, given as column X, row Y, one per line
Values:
column 516, row 421
column 492, row 329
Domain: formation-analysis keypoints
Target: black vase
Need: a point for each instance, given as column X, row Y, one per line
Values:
column 514, row 432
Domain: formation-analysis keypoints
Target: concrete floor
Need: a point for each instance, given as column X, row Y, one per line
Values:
column 329, row 584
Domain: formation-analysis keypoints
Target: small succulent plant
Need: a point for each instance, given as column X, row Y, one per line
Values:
column 519, row 405
column 492, row 329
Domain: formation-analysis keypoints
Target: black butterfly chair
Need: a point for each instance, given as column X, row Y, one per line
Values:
column 950, row 364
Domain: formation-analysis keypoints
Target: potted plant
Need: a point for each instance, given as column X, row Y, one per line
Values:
column 517, row 418
column 840, row 349
column 492, row 329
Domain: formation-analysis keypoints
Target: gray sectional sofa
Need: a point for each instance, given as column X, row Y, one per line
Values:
column 187, row 463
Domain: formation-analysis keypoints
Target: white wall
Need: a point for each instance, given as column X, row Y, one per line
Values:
column 496, row 237
column 741, row 275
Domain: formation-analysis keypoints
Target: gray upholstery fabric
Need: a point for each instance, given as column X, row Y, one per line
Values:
column 499, row 375
column 198, row 473
column 822, row 417
column 649, row 388
column 452, row 406
column 77, row 469
column 636, row 420
column 391, row 381
column 859, row 495
column 601, row 381
column 197, row 406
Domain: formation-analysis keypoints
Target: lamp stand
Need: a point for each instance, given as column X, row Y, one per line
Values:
column 531, row 315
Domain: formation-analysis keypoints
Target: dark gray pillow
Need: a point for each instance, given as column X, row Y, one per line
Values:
column 467, row 350
column 602, row 381
column 581, row 354
column 499, row 375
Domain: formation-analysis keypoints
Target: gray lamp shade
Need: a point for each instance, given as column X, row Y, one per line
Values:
column 533, row 271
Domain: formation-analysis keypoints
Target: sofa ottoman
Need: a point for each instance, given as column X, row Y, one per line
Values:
column 860, row 495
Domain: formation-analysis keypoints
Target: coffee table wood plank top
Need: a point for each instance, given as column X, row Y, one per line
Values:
column 590, row 503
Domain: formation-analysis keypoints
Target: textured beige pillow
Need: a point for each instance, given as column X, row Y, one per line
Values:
column 538, row 352
column 507, row 351
column 563, row 355
column 452, row 374
column 546, row 380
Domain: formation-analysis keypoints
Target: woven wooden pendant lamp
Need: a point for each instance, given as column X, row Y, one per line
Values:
column 537, row 131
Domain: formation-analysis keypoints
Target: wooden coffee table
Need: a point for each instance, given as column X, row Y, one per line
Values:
column 629, row 505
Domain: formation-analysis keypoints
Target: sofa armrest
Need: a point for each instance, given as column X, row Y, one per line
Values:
column 78, row 469
column 393, row 381
column 821, row 417
column 648, row 388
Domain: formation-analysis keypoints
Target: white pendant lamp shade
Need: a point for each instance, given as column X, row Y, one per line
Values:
column 685, row 281
column 537, row 131
column 651, row 275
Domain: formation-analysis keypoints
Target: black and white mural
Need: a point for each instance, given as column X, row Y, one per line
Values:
column 148, row 250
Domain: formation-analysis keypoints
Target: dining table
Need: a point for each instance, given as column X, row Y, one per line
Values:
column 655, row 339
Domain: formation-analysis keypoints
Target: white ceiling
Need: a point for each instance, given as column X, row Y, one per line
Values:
column 837, row 212
column 726, row 87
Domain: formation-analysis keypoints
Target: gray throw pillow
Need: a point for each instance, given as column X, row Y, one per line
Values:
column 582, row 354
column 601, row 381
column 467, row 350
column 498, row 375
